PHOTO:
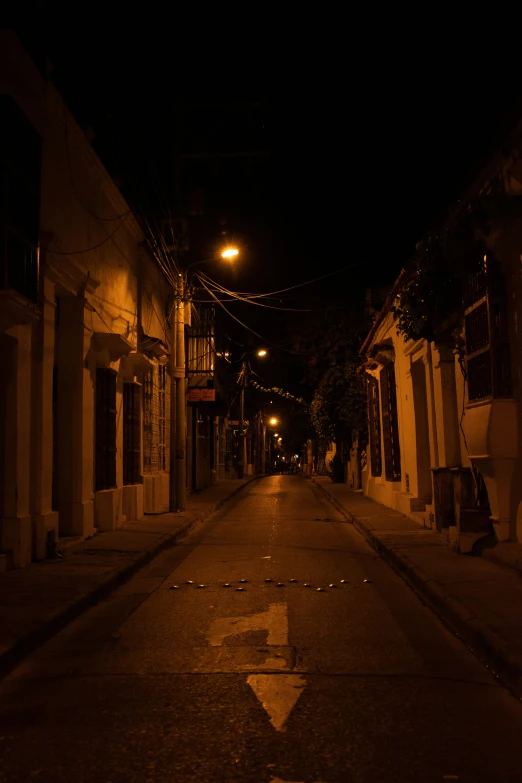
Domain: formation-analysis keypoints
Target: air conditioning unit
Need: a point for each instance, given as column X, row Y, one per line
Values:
column 154, row 495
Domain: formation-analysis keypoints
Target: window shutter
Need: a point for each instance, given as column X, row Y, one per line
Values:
column 105, row 448
column 131, row 433
column 374, row 425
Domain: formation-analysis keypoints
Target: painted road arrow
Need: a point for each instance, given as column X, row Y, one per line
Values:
column 278, row 693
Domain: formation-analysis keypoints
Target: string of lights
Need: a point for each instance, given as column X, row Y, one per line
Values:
column 276, row 390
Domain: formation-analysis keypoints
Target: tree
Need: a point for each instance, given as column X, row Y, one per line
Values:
column 338, row 406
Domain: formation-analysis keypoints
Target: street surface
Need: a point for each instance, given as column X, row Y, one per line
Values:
column 269, row 684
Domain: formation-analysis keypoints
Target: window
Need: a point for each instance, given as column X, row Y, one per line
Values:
column 156, row 420
column 131, row 434
column 488, row 360
column 105, row 445
column 390, row 426
column 201, row 348
column 20, row 156
column 374, row 418
column 163, row 417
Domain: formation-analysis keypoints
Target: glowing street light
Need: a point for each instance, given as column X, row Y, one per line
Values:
column 230, row 252
column 273, row 421
column 261, row 352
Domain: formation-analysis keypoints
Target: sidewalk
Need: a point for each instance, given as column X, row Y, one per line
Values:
column 478, row 599
column 38, row 601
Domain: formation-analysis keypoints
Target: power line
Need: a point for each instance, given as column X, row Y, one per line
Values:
column 238, row 297
column 87, row 249
column 269, row 342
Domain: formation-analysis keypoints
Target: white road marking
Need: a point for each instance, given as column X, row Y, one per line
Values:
column 275, row 621
column 280, row 780
column 278, row 693
column 278, row 662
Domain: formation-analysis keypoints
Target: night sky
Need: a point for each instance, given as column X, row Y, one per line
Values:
column 356, row 150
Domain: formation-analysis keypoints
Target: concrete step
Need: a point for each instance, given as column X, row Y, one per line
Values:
column 66, row 542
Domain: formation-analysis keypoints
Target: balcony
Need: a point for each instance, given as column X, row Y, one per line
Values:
column 18, row 282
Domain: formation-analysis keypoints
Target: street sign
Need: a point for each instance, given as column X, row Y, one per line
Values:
column 201, row 395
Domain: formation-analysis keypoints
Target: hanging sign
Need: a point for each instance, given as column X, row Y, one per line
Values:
column 201, row 395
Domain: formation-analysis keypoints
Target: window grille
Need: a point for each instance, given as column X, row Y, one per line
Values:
column 201, row 343
column 390, row 424
column 488, row 360
column 156, row 420
column 374, row 418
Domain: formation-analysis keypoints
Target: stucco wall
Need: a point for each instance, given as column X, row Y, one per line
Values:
column 80, row 209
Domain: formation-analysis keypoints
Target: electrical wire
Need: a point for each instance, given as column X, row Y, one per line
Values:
column 240, row 298
column 87, row 249
column 300, row 285
column 264, row 339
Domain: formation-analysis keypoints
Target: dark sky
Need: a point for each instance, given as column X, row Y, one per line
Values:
column 359, row 145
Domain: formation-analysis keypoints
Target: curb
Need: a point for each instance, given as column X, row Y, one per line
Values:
column 482, row 640
column 27, row 644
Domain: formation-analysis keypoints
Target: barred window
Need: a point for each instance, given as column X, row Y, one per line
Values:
column 156, row 420
column 201, row 342
column 390, row 424
column 485, row 320
column 163, row 415
column 374, row 419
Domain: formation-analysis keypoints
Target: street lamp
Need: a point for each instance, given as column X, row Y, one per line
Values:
column 261, row 352
column 273, row 421
column 230, row 252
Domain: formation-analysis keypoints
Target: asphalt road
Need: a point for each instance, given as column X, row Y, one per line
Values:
column 269, row 684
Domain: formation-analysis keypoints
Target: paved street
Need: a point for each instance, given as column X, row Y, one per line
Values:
column 265, row 684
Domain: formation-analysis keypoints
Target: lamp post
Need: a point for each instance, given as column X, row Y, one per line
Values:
column 261, row 352
column 242, row 439
column 178, row 407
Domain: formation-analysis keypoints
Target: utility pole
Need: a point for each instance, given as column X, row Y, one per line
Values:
column 242, row 443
